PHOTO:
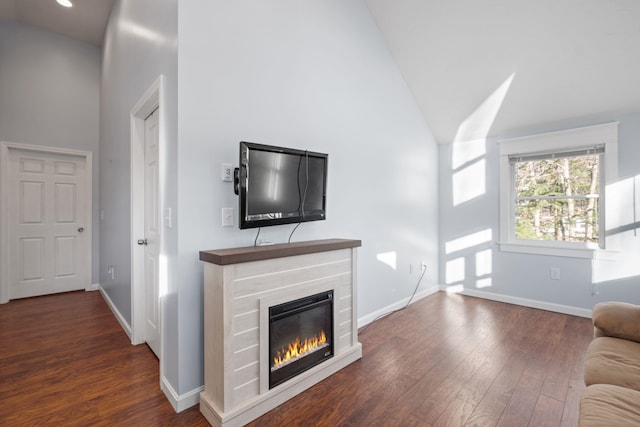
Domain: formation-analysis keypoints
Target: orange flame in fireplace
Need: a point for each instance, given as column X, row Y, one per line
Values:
column 299, row 348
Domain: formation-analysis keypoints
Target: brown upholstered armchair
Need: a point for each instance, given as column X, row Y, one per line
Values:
column 612, row 367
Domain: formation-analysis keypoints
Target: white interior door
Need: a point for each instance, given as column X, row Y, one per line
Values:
column 48, row 227
column 152, row 228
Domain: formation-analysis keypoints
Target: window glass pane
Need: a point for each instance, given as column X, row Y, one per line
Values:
column 562, row 218
column 567, row 220
column 567, row 176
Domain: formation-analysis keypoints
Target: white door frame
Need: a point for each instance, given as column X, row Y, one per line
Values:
column 5, row 146
column 153, row 98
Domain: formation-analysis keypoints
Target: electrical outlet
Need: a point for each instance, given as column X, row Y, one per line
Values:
column 555, row 273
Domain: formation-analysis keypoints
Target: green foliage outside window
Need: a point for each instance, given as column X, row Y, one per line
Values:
column 557, row 199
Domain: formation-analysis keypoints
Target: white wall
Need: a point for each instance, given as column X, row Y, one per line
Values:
column 314, row 75
column 582, row 282
column 49, row 95
column 140, row 45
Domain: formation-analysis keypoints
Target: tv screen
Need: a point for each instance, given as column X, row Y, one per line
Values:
column 279, row 185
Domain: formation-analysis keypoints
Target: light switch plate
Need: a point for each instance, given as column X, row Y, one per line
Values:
column 227, row 172
column 227, row 217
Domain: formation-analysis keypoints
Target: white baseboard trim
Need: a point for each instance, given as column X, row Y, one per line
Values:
column 548, row 306
column 180, row 402
column 93, row 287
column 116, row 312
column 365, row 320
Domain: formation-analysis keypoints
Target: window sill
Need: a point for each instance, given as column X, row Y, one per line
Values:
column 535, row 248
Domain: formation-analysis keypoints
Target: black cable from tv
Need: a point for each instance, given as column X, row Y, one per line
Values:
column 304, row 194
column 292, row 231
column 255, row 242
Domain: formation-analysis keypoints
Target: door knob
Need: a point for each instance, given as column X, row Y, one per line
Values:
column 80, row 230
column 142, row 242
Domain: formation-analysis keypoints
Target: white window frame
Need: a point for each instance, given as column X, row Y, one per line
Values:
column 560, row 141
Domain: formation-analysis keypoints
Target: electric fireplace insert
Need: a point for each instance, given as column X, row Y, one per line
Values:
column 300, row 336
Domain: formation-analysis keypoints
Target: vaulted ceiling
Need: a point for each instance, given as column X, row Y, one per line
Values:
column 475, row 68
column 495, row 67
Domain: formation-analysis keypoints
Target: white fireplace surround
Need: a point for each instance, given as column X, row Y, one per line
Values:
column 240, row 286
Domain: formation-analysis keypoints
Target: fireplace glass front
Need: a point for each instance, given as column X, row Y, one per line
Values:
column 300, row 336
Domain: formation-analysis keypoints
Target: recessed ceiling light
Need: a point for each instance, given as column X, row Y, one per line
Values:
column 65, row 3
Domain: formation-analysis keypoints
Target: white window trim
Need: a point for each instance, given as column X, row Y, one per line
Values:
column 606, row 134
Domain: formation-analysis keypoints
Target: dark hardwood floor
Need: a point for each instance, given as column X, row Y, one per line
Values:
column 65, row 361
column 446, row 360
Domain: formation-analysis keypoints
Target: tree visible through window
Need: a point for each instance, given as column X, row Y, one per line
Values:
column 557, row 197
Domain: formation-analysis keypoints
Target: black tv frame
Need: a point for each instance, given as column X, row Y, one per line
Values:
column 240, row 185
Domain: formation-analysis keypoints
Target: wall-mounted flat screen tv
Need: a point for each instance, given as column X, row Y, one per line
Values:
column 279, row 185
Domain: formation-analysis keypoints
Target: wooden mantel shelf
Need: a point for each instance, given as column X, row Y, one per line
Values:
column 259, row 253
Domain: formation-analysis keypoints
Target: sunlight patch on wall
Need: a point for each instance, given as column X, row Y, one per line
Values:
column 464, row 152
column 455, row 271
column 483, row 283
column 484, row 268
column 469, row 183
column 623, row 228
column 455, row 289
column 472, row 248
column 483, row 262
column 469, row 146
column 469, row 241
column 388, row 258
column 623, row 206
